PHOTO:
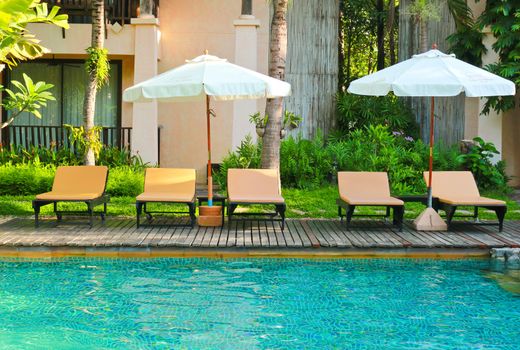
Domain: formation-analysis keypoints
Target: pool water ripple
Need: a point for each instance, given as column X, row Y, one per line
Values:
column 74, row 303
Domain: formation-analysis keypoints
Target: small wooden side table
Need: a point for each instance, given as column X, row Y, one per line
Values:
column 217, row 199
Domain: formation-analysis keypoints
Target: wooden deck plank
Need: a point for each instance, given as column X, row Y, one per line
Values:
column 122, row 232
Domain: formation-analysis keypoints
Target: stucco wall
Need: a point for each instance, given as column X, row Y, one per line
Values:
column 187, row 29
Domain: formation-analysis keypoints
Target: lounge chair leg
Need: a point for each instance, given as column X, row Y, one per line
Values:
column 475, row 214
column 36, row 208
column 350, row 213
column 191, row 207
column 91, row 215
column 387, row 213
column 450, row 212
column 398, row 217
column 281, row 209
column 104, row 213
column 230, row 210
column 340, row 214
column 139, row 210
column 501, row 214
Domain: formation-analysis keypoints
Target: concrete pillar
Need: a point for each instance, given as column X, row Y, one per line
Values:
column 246, row 55
column 144, row 121
column 490, row 126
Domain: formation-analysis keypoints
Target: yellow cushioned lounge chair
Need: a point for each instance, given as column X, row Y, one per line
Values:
column 458, row 188
column 367, row 189
column 76, row 184
column 255, row 186
column 167, row 185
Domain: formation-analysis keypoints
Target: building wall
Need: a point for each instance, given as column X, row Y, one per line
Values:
column 503, row 129
column 187, row 29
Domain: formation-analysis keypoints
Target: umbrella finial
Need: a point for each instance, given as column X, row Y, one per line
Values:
column 434, row 46
column 206, row 52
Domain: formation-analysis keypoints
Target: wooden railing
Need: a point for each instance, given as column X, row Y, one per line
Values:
column 121, row 11
column 29, row 136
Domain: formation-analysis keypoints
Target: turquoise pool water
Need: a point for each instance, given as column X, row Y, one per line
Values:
column 255, row 304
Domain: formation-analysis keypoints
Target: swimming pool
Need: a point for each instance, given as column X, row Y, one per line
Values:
column 76, row 303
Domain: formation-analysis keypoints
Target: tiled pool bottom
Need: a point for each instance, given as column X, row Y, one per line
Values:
column 77, row 303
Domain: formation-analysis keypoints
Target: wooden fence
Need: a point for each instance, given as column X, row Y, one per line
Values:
column 312, row 63
column 449, row 111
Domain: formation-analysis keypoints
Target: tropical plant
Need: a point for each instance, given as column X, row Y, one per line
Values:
column 305, row 163
column 258, row 120
column 357, row 112
column 503, row 17
column 16, row 42
column 479, row 161
column 274, row 106
column 291, row 120
column 83, row 141
column 97, row 67
column 247, row 155
column 28, row 97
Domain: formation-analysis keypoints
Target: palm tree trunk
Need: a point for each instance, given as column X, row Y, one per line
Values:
column 89, row 104
column 274, row 106
column 423, row 34
column 390, row 26
column 380, row 34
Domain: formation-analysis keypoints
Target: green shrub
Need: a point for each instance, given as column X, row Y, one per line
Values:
column 357, row 112
column 311, row 163
column 489, row 176
column 375, row 148
column 247, row 155
column 109, row 156
column 125, row 181
column 31, row 179
column 304, row 163
column 26, row 179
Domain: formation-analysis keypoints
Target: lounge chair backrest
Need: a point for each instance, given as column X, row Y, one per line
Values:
column 80, row 179
column 363, row 184
column 253, row 182
column 170, row 180
column 453, row 184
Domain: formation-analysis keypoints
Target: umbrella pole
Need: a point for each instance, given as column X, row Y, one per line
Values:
column 430, row 168
column 210, row 178
column 429, row 219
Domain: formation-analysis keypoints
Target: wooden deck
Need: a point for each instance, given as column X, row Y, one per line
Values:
column 303, row 234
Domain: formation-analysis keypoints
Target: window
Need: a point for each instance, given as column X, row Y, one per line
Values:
column 69, row 79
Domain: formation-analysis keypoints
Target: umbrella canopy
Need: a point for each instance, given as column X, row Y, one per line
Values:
column 206, row 76
column 433, row 73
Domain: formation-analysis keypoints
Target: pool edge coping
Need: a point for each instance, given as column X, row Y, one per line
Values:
column 222, row 253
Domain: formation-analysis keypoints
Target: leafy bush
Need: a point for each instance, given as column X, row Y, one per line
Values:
column 478, row 161
column 311, row 163
column 109, row 156
column 357, row 112
column 375, row 148
column 304, row 163
column 26, row 179
column 125, row 181
column 31, row 179
column 247, row 155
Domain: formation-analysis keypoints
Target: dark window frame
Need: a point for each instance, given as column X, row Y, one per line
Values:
column 6, row 78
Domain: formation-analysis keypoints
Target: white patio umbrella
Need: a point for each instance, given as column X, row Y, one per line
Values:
column 206, row 76
column 432, row 73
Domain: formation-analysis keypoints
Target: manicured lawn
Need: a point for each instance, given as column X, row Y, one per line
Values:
column 318, row 203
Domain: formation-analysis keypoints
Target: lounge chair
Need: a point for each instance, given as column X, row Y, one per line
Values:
column 255, row 186
column 76, row 184
column 458, row 188
column 167, row 185
column 367, row 189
